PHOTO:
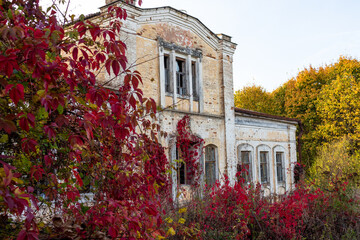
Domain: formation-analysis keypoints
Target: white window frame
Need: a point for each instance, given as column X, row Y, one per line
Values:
column 282, row 165
column 247, row 148
column 189, row 61
column 285, row 162
column 216, row 172
column 269, row 177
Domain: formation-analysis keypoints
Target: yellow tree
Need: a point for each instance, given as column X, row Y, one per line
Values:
column 338, row 106
column 254, row 98
column 334, row 165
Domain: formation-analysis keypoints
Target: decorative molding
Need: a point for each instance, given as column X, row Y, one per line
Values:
column 172, row 46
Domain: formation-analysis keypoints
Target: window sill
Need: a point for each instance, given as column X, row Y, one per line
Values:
column 181, row 96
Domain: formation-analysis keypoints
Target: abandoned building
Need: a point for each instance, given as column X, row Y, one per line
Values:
column 188, row 70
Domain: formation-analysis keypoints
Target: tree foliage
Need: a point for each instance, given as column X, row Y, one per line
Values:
column 254, row 98
column 334, row 165
column 62, row 133
column 325, row 99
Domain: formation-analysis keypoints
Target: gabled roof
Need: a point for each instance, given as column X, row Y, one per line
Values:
column 148, row 15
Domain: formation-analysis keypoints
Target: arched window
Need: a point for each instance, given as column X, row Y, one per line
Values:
column 264, row 163
column 210, row 164
column 280, row 167
column 279, row 153
column 245, row 162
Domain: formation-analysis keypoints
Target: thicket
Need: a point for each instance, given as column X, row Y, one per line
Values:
column 242, row 212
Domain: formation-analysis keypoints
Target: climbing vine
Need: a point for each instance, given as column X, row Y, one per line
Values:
column 191, row 148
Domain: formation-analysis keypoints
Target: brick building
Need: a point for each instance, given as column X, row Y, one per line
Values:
column 188, row 70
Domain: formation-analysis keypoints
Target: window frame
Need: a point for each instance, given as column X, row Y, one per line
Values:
column 250, row 149
column 247, row 174
column 168, row 82
column 264, row 179
column 214, row 163
column 282, row 166
column 169, row 69
column 181, row 77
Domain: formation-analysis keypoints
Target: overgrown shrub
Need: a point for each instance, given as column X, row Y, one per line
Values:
column 335, row 164
column 242, row 212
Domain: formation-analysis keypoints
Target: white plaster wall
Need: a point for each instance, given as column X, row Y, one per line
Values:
column 276, row 136
column 209, row 128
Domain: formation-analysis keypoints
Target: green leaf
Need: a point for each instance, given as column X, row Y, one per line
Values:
column 4, row 138
column 42, row 113
column 10, row 15
column 84, row 209
column 60, row 109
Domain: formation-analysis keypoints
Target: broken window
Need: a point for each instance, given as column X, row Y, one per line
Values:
column 168, row 86
column 280, row 171
column 185, row 72
column 210, row 164
column 264, row 156
column 184, row 171
column 181, row 77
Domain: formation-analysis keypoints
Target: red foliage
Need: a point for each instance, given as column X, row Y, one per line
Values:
column 242, row 212
column 65, row 133
column 191, row 148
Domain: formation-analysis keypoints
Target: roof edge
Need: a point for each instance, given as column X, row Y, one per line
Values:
column 266, row 115
column 174, row 9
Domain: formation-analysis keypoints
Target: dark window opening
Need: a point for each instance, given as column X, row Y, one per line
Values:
column 264, row 167
column 245, row 167
column 181, row 77
column 183, row 171
column 168, row 87
column 280, row 167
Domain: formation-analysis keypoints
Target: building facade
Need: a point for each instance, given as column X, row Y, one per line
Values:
column 187, row 69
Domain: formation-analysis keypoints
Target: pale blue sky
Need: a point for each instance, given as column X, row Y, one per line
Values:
column 276, row 38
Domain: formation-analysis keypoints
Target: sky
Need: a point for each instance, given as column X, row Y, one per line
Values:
column 276, row 38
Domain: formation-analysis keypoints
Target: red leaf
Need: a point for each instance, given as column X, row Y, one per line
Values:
column 113, row 232
column 78, row 178
column 89, row 132
column 37, row 171
column 17, row 93
column 22, row 235
column 31, row 119
column 84, row 53
column 127, row 79
column 8, row 125
column 132, row 101
column 135, row 82
column 50, row 132
column 75, row 53
column 24, row 124
column 28, row 145
column 107, row 66
column 115, row 67
column 48, row 160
